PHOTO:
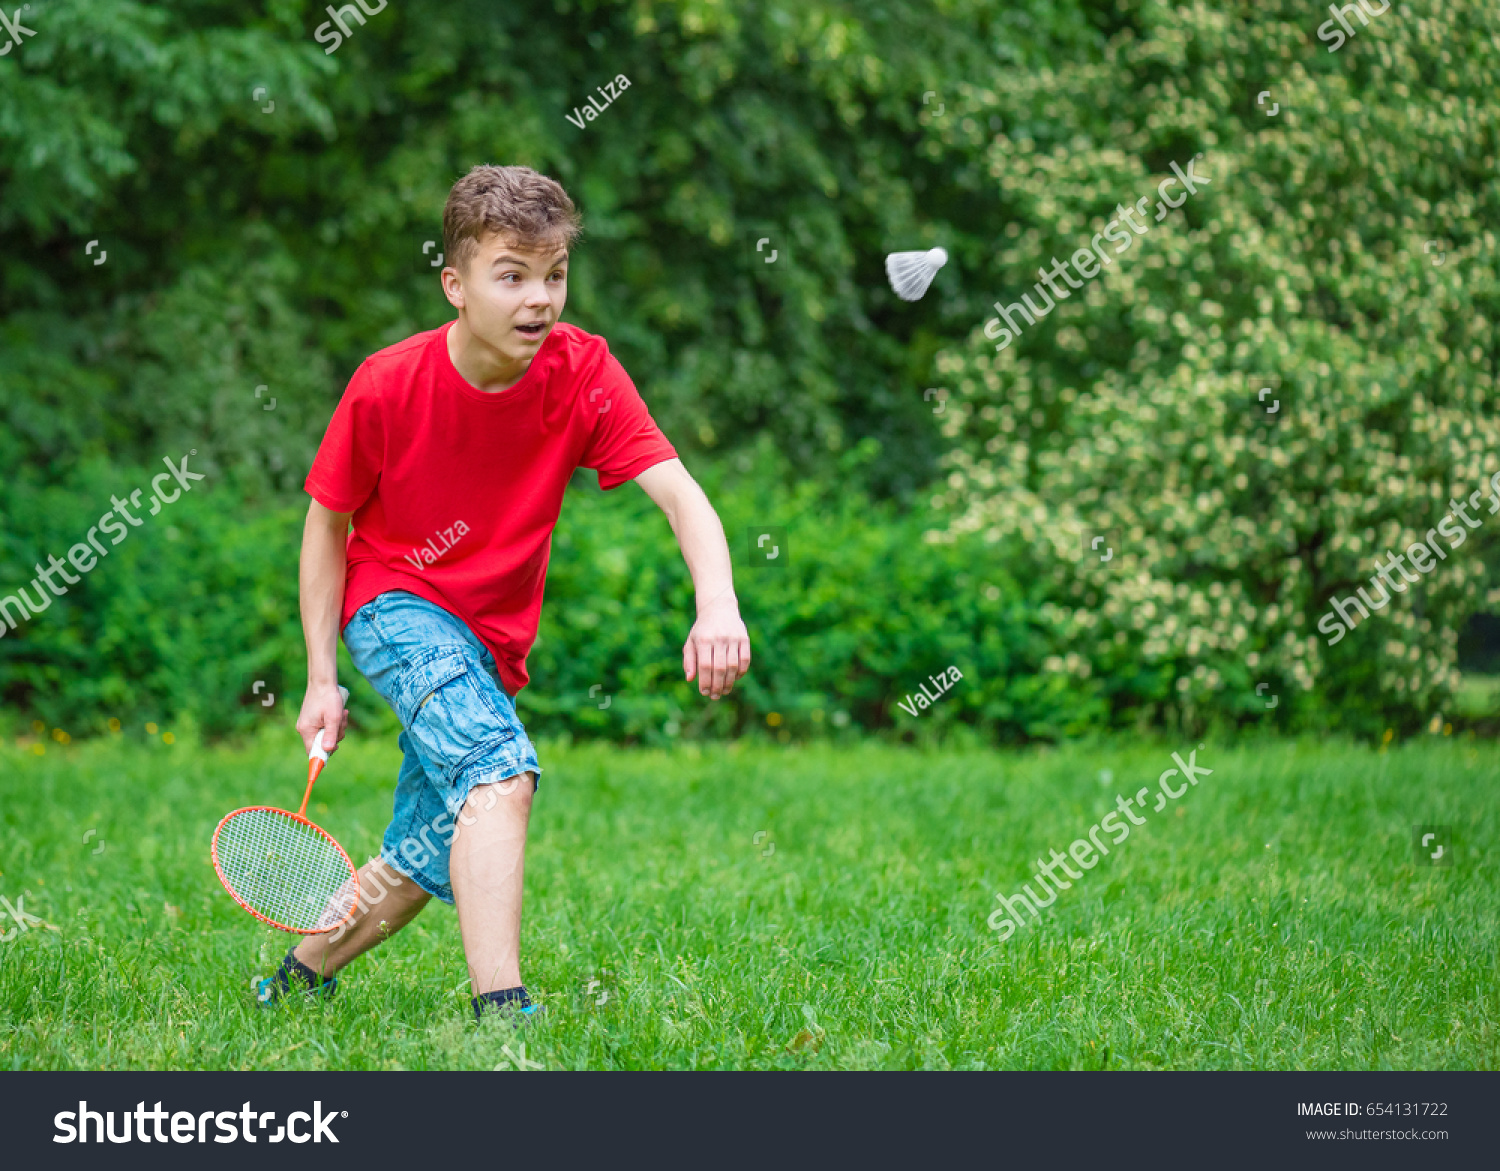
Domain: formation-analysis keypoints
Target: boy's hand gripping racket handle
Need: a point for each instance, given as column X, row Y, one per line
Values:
column 318, row 757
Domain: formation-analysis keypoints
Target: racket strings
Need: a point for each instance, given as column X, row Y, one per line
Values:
column 288, row 870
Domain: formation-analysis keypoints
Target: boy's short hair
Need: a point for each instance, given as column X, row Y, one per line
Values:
column 516, row 201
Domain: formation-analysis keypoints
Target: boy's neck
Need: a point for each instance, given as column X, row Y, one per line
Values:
column 479, row 364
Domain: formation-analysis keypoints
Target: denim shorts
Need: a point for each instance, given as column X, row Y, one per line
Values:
column 460, row 728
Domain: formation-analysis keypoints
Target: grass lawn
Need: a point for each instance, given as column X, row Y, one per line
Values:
column 1273, row 917
column 1478, row 696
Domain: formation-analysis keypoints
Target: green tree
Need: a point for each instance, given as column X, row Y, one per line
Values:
column 263, row 205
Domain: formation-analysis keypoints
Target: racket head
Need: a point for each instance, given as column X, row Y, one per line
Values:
column 284, row 870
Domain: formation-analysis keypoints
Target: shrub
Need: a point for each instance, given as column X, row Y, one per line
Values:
column 174, row 620
column 1135, row 411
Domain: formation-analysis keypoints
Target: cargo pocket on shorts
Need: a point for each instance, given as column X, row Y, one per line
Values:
column 444, row 705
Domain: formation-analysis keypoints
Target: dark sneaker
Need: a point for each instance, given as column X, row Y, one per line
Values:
column 512, row 1004
column 270, row 990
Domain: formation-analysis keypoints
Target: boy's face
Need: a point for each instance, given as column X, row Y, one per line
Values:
column 513, row 294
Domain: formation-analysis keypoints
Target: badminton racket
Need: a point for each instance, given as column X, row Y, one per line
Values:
column 282, row 868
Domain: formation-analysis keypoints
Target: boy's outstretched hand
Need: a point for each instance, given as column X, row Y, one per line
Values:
column 717, row 650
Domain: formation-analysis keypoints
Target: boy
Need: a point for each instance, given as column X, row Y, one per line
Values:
column 450, row 452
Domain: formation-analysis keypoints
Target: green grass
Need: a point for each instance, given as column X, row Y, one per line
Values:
column 1273, row 918
column 1477, row 695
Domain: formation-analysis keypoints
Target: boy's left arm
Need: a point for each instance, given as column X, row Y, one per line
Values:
column 717, row 650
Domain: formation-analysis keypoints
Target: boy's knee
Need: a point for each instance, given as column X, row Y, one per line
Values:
column 385, row 879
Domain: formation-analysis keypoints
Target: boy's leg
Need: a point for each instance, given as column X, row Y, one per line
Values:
column 388, row 898
column 462, row 736
column 388, row 901
column 485, row 867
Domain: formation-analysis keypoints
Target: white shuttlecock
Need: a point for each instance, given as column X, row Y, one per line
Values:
column 912, row 272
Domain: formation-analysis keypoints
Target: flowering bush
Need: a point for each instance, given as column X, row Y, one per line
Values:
column 1327, row 267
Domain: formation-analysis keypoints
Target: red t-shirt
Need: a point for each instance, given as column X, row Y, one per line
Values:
column 455, row 492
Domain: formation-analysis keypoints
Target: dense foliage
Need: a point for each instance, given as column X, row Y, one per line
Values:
column 1340, row 252
column 249, row 248
column 855, row 614
column 260, row 206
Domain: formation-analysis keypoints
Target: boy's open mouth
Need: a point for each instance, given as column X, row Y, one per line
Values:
column 534, row 330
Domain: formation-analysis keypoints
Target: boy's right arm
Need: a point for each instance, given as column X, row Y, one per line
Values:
column 325, row 539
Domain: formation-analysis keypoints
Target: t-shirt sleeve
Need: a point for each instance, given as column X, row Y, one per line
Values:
column 347, row 466
column 626, row 440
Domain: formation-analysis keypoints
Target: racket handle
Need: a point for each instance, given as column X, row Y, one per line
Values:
column 317, row 758
column 319, row 752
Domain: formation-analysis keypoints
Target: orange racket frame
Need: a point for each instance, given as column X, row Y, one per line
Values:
column 316, row 760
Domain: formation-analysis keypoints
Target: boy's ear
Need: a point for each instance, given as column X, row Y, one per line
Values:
column 453, row 287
